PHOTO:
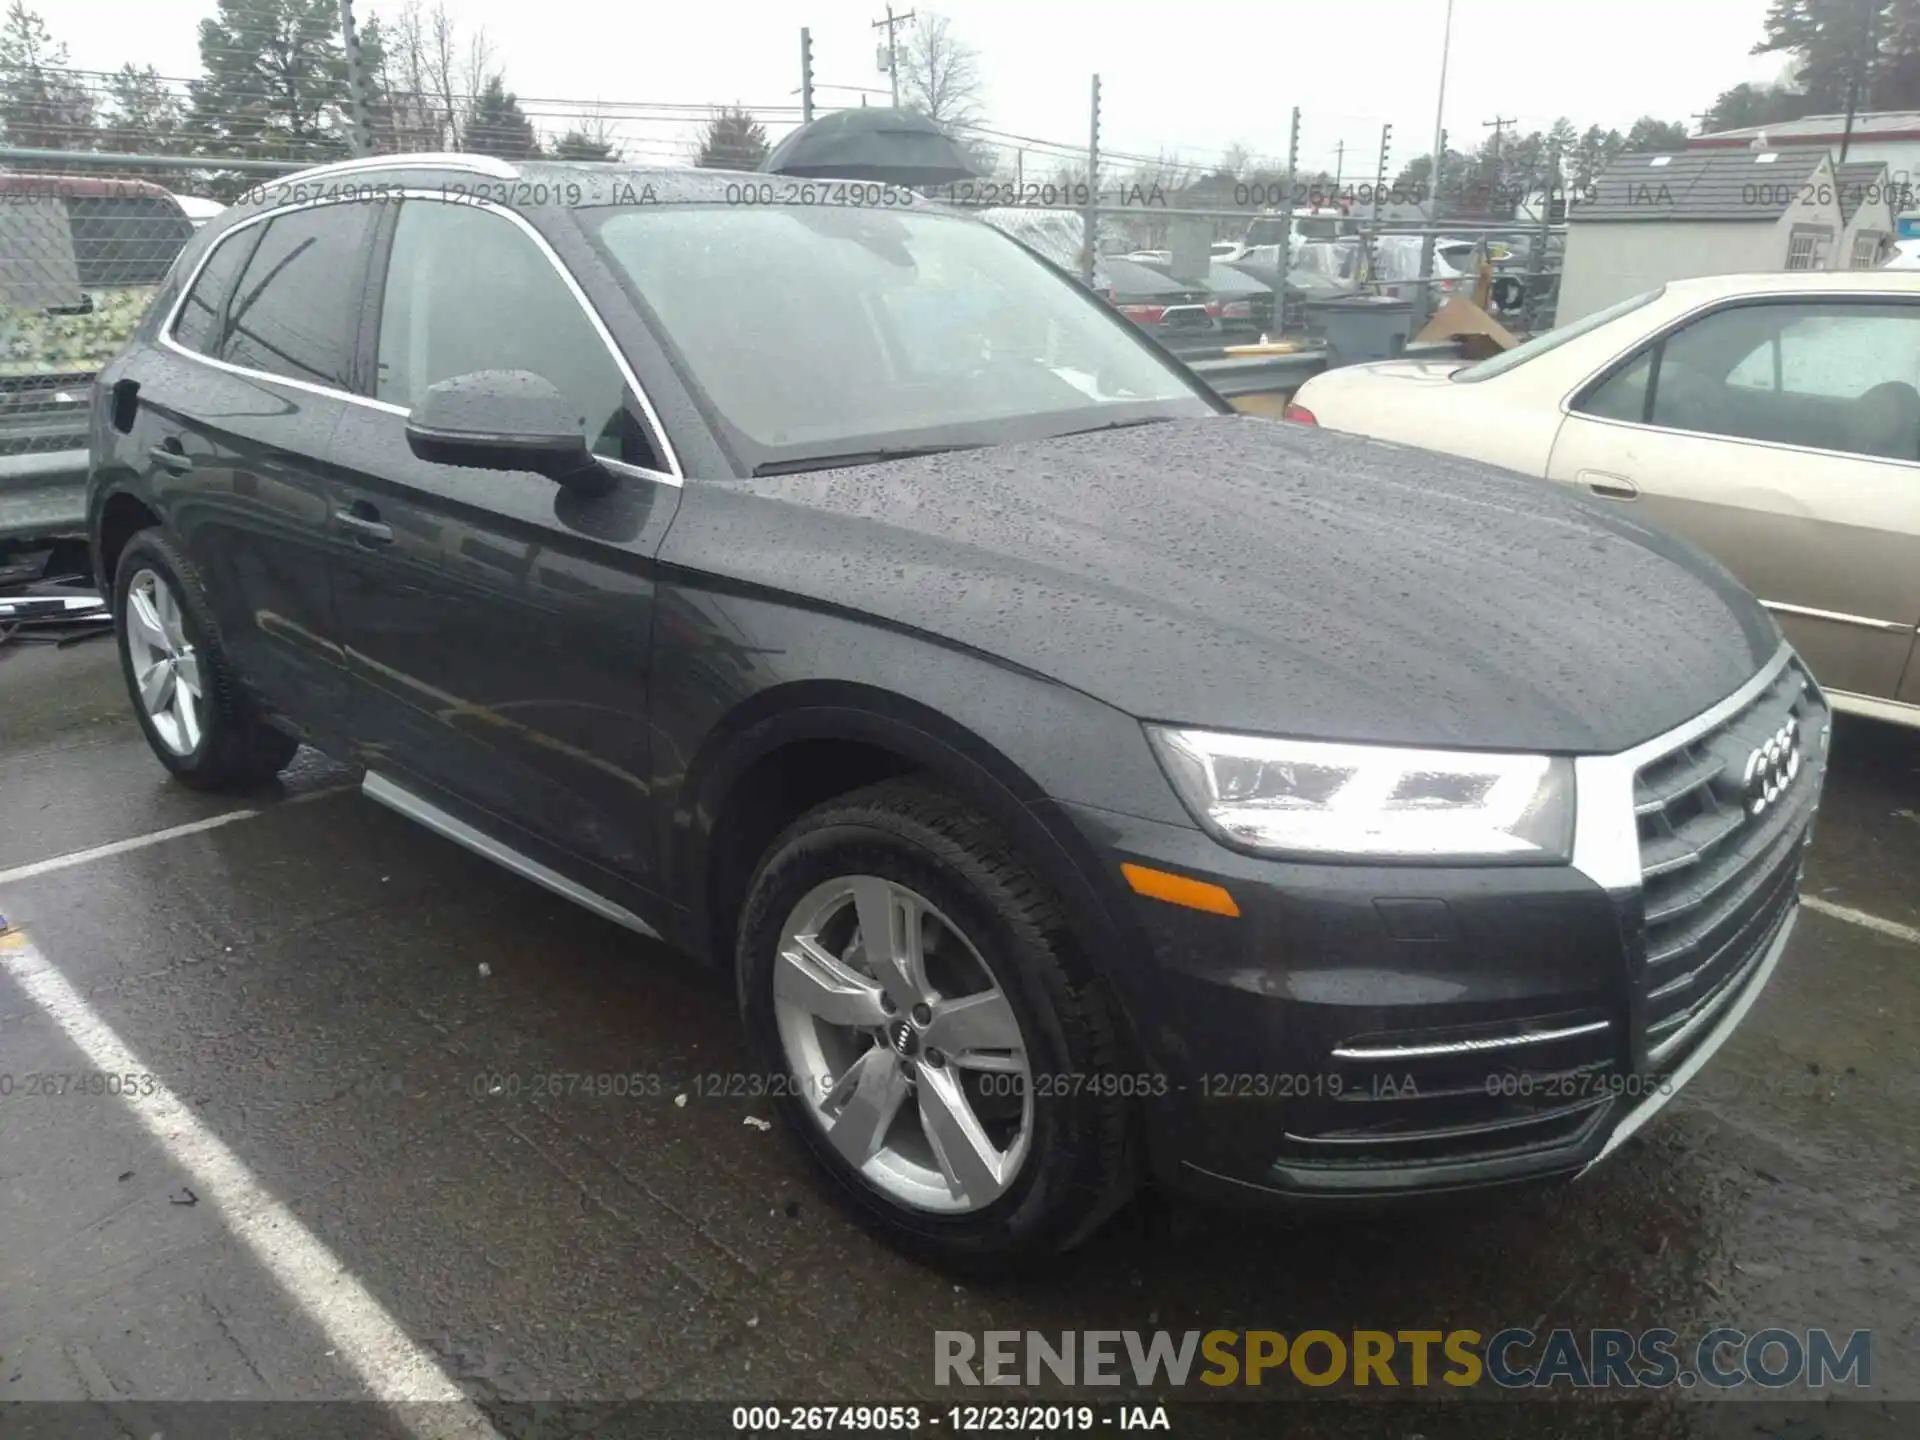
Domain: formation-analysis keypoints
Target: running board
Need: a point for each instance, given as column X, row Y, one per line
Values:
column 384, row 791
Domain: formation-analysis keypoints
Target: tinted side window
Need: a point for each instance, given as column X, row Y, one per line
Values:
column 1831, row 376
column 200, row 311
column 1623, row 394
column 468, row 290
column 295, row 309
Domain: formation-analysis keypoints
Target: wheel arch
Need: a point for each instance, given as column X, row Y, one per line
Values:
column 119, row 513
column 820, row 739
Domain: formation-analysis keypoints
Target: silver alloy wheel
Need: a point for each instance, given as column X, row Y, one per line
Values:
column 906, row 1052
column 165, row 668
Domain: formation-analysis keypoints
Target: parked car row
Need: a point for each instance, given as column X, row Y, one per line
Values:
column 1232, row 301
column 1037, row 744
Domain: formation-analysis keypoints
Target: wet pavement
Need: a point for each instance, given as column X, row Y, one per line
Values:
column 307, row 982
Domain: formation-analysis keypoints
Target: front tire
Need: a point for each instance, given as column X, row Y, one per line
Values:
column 938, row 1075
column 198, row 721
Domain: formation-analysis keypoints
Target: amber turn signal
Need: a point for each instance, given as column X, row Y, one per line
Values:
column 1179, row 890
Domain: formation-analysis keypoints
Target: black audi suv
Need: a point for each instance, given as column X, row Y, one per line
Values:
column 1084, row 783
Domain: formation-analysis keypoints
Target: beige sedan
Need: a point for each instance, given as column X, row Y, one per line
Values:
column 1774, row 420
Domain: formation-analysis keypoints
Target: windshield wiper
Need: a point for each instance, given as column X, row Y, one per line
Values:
column 1117, row 425
column 852, row 457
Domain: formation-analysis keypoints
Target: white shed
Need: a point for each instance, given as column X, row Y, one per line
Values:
column 1654, row 218
column 1867, row 212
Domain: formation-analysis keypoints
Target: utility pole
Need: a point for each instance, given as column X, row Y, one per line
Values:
column 1379, row 189
column 1091, row 221
column 1286, row 245
column 1495, row 175
column 1856, row 81
column 1339, row 164
column 1543, row 228
column 892, row 22
column 1440, row 113
column 806, row 76
column 359, row 139
column 1380, row 176
column 1293, row 169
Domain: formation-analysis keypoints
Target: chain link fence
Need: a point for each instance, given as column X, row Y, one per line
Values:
column 85, row 244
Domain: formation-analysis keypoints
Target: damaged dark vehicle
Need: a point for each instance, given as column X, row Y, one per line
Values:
column 1083, row 783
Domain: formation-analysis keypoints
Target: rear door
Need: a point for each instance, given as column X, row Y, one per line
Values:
column 237, row 406
column 1783, row 437
column 499, row 627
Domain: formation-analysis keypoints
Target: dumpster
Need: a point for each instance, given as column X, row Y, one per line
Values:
column 1359, row 328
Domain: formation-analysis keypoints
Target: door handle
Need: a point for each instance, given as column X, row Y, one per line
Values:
column 1613, row 487
column 170, row 459
column 365, row 523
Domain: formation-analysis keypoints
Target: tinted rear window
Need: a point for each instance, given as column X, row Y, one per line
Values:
column 125, row 239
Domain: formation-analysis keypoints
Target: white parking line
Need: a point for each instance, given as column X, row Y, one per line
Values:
column 1908, row 933
column 370, row 1342
column 172, row 832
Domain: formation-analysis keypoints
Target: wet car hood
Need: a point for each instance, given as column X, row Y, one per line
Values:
column 1252, row 575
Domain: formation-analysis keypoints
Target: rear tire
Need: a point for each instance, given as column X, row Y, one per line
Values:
column 993, row 1149
column 198, row 720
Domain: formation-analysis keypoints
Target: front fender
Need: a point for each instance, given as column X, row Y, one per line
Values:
column 738, row 677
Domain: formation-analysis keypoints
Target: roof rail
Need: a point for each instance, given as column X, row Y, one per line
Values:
column 449, row 160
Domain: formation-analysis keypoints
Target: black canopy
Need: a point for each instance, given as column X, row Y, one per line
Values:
column 894, row 147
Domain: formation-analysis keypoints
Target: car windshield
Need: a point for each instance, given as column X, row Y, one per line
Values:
column 841, row 331
column 1335, row 259
column 1553, row 339
column 1267, row 232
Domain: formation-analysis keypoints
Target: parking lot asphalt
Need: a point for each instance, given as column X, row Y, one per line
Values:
column 345, row 1014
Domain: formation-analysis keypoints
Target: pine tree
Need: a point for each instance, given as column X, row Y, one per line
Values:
column 142, row 113
column 41, row 106
column 1747, row 105
column 1596, row 150
column 1836, row 41
column 275, row 79
column 1649, row 136
column 577, row 145
column 733, row 140
column 499, row 126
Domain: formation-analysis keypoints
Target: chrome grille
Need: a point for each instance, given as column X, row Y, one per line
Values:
column 1442, row 1096
column 1720, row 864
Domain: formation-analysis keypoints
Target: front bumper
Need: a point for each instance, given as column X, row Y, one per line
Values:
column 1368, row 1031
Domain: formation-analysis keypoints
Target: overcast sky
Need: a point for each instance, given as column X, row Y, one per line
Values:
column 1190, row 78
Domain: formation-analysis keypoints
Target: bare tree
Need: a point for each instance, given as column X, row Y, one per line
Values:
column 1144, row 189
column 940, row 75
column 434, row 76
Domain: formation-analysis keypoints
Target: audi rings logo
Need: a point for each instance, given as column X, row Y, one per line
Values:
column 1771, row 767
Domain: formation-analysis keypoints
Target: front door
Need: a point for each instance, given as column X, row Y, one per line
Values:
column 1783, row 437
column 498, row 627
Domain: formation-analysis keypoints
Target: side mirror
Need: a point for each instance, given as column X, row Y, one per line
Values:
column 505, row 420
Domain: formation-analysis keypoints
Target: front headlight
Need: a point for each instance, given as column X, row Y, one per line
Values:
column 1371, row 801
